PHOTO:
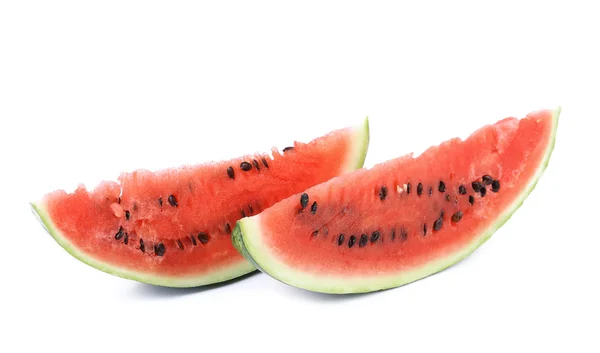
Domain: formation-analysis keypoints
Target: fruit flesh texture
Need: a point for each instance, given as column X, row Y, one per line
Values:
column 207, row 200
column 283, row 242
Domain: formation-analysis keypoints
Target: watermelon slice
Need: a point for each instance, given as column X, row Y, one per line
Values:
column 173, row 227
column 404, row 219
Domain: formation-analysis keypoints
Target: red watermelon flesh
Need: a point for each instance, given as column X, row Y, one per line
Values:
column 404, row 219
column 173, row 227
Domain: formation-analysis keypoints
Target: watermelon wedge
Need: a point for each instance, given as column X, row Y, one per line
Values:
column 173, row 227
column 404, row 219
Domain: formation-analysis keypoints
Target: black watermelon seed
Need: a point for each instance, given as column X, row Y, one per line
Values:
column 424, row 229
column 419, row 189
column 243, row 214
column 264, row 162
column 172, row 201
column 250, row 209
column 231, row 172
column 408, row 188
column 304, row 200
column 126, row 239
column 287, row 149
column 227, row 228
column 442, row 213
column 393, row 235
column 462, row 190
column 246, row 166
column 383, row 191
column 495, row 186
column 437, row 225
column 363, row 240
column 448, row 197
column 375, row 236
column 256, row 165
column 313, row 208
column 119, row 199
column 483, row 191
column 476, row 186
column 403, row 234
column 142, row 245
column 119, row 234
column 159, row 249
column 315, row 233
column 457, row 217
column 341, row 239
column 203, row 237
column 160, row 201
column 487, row 180
column 442, row 186
column 430, row 191
column 179, row 244
column 193, row 240
column 351, row 241
column 471, row 199
column 127, row 215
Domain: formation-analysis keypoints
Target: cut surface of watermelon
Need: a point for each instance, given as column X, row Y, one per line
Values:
column 404, row 219
column 173, row 227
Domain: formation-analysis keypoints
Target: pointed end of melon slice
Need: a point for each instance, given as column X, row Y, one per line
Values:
column 39, row 211
column 360, row 146
column 233, row 271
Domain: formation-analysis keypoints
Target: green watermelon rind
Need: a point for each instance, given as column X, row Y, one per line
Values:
column 247, row 235
column 235, row 270
column 355, row 160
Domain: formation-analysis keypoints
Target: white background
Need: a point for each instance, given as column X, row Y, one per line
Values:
column 89, row 89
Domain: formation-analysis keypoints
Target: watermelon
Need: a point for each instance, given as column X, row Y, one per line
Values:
column 403, row 219
column 172, row 227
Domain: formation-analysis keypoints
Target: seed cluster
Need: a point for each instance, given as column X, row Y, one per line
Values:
column 479, row 188
column 159, row 248
column 247, row 166
column 373, row 237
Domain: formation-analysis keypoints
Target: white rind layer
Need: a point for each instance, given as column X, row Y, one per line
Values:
column 360, row 145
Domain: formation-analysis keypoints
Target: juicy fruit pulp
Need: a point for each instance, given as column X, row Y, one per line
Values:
column 173, row 227
column 403, row 219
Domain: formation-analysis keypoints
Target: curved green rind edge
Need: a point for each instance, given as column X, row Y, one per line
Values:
column 356, row 160
column 237, row 269
column 247, row 235
column 362, row 136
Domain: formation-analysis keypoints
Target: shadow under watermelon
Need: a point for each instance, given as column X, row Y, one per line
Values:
column 151, row 291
